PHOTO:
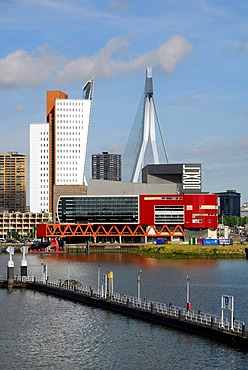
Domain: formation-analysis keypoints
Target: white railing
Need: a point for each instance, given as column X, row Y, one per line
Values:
column 147, row 305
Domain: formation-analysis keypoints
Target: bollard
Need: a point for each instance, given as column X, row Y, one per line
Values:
column 24, row 270
column 10, row 273
column 88, row 247
column 110, row 283
column 24, row 264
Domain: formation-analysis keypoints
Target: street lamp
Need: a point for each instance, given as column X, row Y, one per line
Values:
column 68, row 274
column 188, row 294
column 98, row 278
column 138, row 284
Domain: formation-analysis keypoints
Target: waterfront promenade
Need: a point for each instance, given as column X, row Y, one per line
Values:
column 215, row 327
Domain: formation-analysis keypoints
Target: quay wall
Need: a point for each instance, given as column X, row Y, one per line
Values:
column 179, row 322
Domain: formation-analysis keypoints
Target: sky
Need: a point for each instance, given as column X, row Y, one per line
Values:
column 198, row 51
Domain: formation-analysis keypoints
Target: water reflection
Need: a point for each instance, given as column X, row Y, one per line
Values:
column 40, row 331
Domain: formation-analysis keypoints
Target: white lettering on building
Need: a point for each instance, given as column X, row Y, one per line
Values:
column 191, row 177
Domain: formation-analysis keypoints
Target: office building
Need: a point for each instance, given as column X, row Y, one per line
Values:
column 229, row 203
column 106, row 166
column 39, row 165
column 58, row 147
column 13, row 182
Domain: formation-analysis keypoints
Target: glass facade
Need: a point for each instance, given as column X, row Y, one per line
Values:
column 229, row 203
column 95, row 209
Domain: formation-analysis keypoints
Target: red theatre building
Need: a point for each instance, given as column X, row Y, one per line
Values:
column 169, row 203
column 134, row 218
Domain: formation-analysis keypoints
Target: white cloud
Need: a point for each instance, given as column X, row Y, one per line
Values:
column 119, row 5
column 104, row 65
column 21, row 68
column 18, row 108
column 242, row 143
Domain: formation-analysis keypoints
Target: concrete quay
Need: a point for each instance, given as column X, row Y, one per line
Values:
column 198, row 323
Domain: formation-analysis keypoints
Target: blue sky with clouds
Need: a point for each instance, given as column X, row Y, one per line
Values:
column 198, row 50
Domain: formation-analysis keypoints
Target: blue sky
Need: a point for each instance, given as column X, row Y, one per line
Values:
column 199, row 54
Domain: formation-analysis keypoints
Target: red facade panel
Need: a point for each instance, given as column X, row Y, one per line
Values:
column 42, row 230
column 198, row 210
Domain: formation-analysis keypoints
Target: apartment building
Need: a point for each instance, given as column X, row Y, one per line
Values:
column 25, row 224
column 13, row 182
column 106, row 166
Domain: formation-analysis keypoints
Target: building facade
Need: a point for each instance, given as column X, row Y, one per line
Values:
column 24, row 224
column 187, row 177
column 229, row 203
column 106, row 166
column 39, row 167
column 13, row 182
column 174, row 215
column 168, row 204
column 66, row 131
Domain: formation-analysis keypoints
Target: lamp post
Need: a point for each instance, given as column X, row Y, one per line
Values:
column 188, row 294
column 98, row 278
column 68, row 274
column 138, row 284
column 43, row 271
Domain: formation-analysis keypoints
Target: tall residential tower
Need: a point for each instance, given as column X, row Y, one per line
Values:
column 13, row 182
column 106, row 166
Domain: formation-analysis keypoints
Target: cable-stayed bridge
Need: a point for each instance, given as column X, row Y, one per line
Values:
column 145, row 143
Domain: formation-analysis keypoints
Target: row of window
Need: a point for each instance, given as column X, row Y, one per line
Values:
column 68, row 132
column 66, row 181
column 66, row 169
column 68, row 145
column 68, row 102
column 67, row 139
column 66, row 127
column 63, row 163
column 60, row 174
column 66, row 156
column 67, row 151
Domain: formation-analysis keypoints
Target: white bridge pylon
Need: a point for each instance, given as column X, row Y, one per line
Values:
column 149, row 130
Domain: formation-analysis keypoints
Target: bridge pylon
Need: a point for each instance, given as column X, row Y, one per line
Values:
column 141, row 148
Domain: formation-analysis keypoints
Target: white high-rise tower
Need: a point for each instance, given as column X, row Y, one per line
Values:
column 58, row 147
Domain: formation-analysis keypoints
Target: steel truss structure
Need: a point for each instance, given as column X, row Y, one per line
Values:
column 98, row 230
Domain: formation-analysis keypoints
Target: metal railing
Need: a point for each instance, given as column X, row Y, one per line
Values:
column 168, row 310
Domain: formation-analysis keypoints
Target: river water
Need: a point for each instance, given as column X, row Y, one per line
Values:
column 38, row 331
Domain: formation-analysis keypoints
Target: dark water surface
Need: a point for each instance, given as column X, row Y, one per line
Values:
column 43, row 332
